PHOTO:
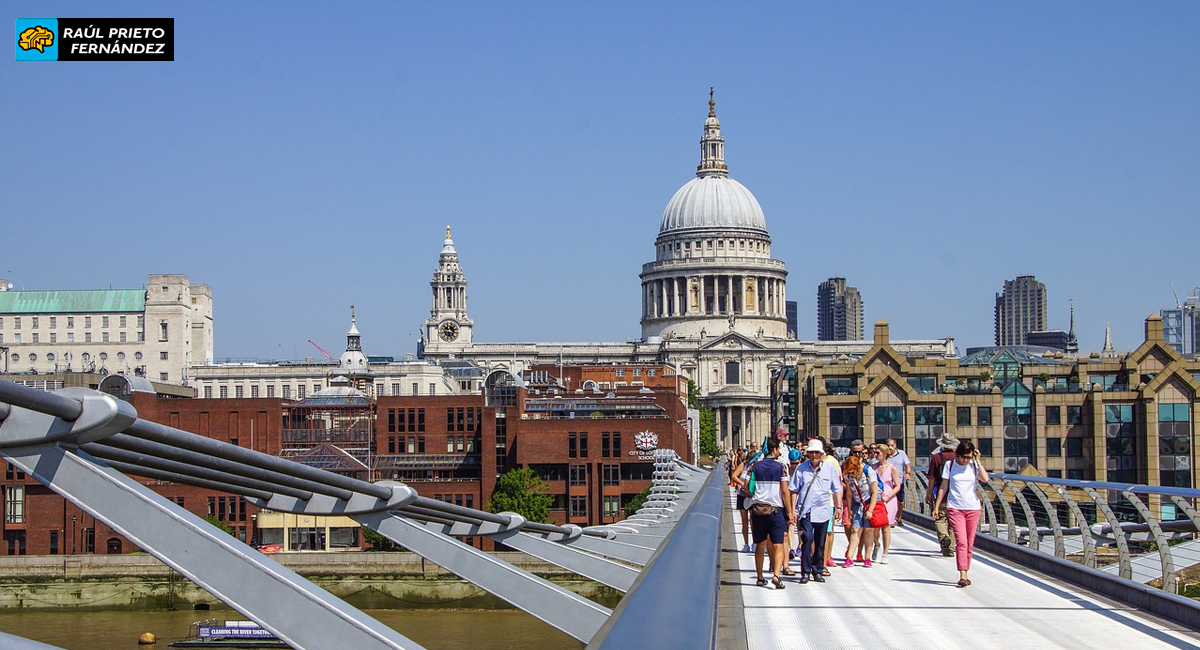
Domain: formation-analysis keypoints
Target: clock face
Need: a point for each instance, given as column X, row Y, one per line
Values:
column 448, row 330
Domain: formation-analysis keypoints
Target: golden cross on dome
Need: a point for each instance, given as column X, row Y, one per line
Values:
column 712, row 105
column 447, row 232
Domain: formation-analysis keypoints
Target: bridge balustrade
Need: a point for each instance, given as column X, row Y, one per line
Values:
column 82, row 443
column 1143, row 533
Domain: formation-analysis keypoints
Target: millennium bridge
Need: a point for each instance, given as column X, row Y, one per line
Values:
column 1059, row 563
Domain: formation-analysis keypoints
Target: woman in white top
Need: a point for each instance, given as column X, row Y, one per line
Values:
column 959, row 479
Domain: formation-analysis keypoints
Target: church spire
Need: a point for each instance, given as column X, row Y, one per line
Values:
column 1072, row 341
column 1109, row 350
column 712, row 144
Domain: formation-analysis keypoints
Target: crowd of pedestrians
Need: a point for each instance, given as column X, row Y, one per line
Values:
column 790, row 500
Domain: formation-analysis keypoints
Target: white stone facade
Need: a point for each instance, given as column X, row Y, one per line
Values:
column 158, row 332
column 713, row 305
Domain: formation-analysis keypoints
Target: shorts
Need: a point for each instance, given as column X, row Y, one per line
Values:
column 900, row 497
column 741, row 502
column 859, row 517
column 772, row 526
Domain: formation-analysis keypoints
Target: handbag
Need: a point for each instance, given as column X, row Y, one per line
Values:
column 879, row 514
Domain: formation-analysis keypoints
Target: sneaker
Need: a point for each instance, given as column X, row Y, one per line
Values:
column 946, row 549
column 875, row 554
column 830, row 563
column 883, row 560
column 858, row 558
column 866, row 564
column 746, row 548
column 791, row 553
column 847, row 564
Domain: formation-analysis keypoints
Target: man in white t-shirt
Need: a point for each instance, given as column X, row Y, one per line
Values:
column 814, row 487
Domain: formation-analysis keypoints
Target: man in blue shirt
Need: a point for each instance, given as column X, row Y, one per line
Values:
column 814, row 484
column 770, row 513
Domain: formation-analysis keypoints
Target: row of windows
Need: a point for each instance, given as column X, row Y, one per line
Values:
column 637, row 372
column 239, row 391
column 224, row 508
column 122, row 337
column 463, row 419
column 35, row 321
column 404, row 420
column 465, row 500
column 86, row 357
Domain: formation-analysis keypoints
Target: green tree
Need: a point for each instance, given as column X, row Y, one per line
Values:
column 523, row 492
column 378, row 542
column 708, row 432
column 693, row 395
column 631, row 508
column 217, row 523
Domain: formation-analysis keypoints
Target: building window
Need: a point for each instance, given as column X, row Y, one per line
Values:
column 287, row 392
column 14, row 504
column 104, row 321
column 449, row 444
column 271, row 390
column 208, row 392
column 162, row 331
column 70, row 321
column 984, row 414
column 300, row 392
column 579, row 475
column 578, row 506
column 572, row 445
column 611, row 474
column 121, row 321
column 985, row 447
column 415, row 389
column 35, row 322
column 733, row 372
column 35, row 337
column 1074, row 447
column 1074, row 415
column 87, row 321
column 254, row 391
column 224, row 392
column 162, row 376
column 1053, row 415
column 54, row 337
column 963, row 414
column 53, row 322
column 103, row 337
column 612, row 506
column 395, row 388
column 1053, row 447
column 17, row 322
column 239, row 392
column 87, row 337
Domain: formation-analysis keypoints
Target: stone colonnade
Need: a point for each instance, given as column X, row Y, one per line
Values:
column 713, row 295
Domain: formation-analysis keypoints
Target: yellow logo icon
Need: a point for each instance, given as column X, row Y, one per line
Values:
column 37, row 38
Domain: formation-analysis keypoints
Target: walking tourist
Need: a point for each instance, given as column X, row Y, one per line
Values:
column 862, row 491
column 901, row 461
column 943, row 454
column 816, row 484
column 835, row 509
column 740, row 481
column 770, row 513
column 890, row 475
column 959, row 480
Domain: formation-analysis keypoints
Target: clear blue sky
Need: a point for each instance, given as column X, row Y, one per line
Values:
column 300, row 157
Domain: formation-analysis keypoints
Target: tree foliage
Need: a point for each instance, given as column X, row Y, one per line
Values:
column 378, row 542
column 708, row 432
column 636, row 502
column 217, row 523
column 523, row 492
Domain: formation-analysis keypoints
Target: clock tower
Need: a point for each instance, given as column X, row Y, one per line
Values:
column 448, row 327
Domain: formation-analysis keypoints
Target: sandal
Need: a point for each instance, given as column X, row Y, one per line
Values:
column 761, row 582
column 777, row 582
column 788, row 572
column 825, row 572
column 962, row 582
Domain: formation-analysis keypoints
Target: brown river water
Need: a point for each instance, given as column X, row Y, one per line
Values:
column 432, row 628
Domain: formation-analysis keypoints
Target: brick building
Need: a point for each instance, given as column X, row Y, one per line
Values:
column 447, row 447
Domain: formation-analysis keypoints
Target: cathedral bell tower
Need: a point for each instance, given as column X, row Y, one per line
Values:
column 448, row 327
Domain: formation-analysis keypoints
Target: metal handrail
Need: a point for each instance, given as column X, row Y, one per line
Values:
column 1115, row 527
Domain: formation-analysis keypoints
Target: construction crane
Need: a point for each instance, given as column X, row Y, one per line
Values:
column 322, row 350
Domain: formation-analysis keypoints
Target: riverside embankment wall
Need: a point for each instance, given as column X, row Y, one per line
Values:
column 365, row 580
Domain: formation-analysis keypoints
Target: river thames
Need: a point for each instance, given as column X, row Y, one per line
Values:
column 435, row 629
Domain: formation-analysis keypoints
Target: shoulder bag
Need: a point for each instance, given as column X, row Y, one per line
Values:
column 879, row 514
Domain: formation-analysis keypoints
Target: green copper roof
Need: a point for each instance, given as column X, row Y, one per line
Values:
column 71, row 302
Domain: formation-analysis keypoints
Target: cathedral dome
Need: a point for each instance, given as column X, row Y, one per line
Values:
column 714, row 201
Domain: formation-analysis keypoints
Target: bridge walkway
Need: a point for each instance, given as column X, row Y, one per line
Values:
column 913, row 601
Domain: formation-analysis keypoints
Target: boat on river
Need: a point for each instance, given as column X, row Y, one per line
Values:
column 228, row 634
